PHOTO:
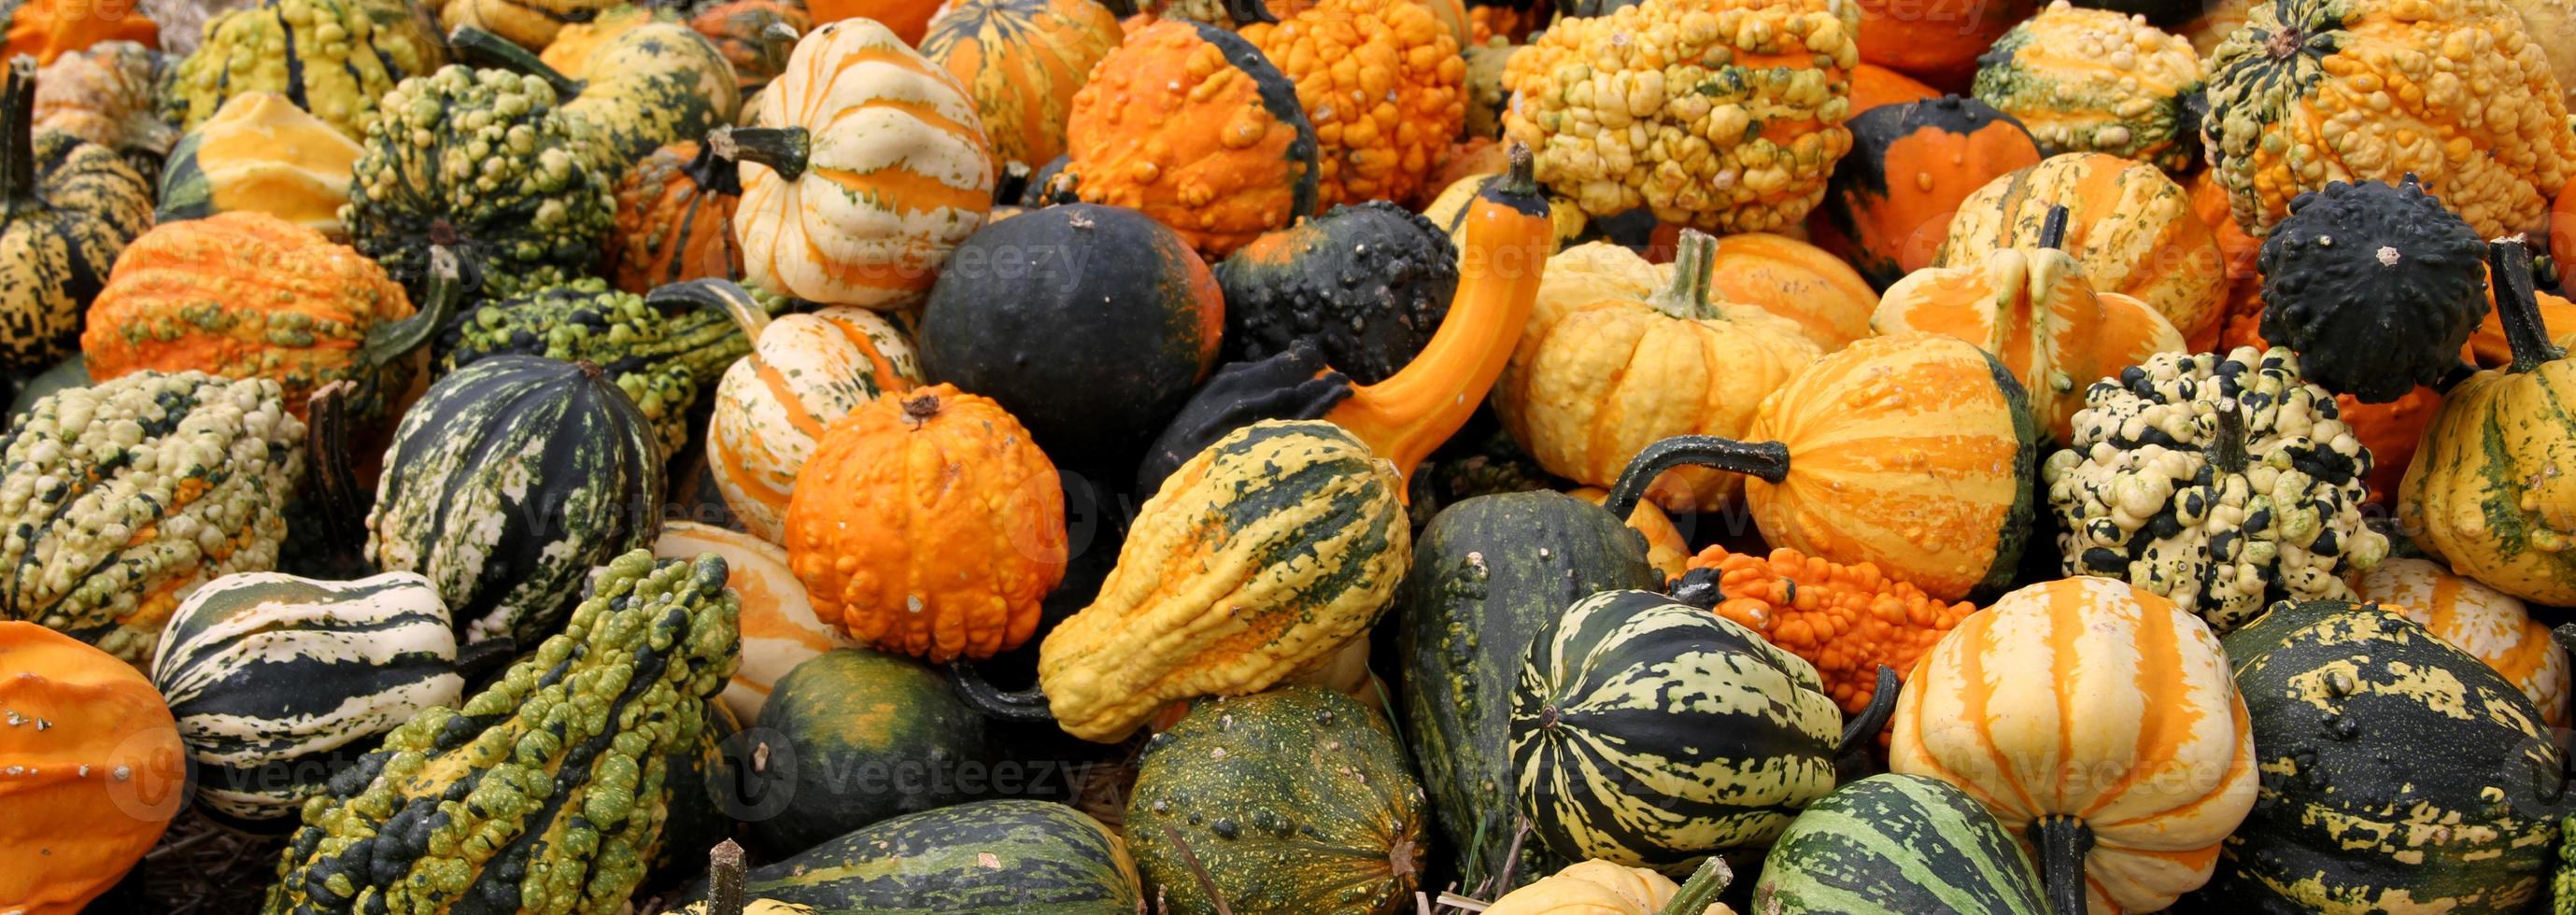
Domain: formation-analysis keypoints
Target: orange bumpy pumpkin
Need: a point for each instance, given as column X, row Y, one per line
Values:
column 1384, row 84
column 46, row 29
column 1845, row 619
column 1193, row 126
column 91, row 770
column 674, row 214
column 928, row 524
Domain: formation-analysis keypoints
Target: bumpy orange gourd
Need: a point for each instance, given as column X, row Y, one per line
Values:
column 1384, row 84
column 91, row 770
column 1845, row 619
column 674, row 214
column 740, row 29
column 930, row 525
column 46, row 29
column 1022, row 61
column 2131, row 227
column 1193, row 126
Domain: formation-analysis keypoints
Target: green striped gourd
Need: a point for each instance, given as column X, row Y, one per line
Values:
column 1899, row 845
column 1006, row 857
column 279, row 682
column 1611, row 724
column 123, row 498
column 2398, row 773
column 1292, row 800
column 507, row 482
column 548, row 791
column 662, row 349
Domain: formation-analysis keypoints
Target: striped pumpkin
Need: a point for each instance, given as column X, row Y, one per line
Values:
column 1609, row 733
column 507, row 482
column 779, row 628
column 1260, row 556
column 2129, row 226
column 866, row 164
column 1898, row 845
column 1021, row 61
column 2028, row 704
column 805, row 372
column 280, row 682
column 2477, row 619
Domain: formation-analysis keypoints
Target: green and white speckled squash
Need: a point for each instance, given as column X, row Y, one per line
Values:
column 507, row 482
column 279, row 682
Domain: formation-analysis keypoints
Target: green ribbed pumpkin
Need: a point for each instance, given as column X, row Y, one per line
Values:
column 507, row 482
column 280, row 682
column 985, row 858
column 1899, row 845
column 1614, row 731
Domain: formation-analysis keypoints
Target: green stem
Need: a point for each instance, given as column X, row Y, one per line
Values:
column 992, row 702
column 724, row 879
column 484, row 49
column 2518, row 303
column 1702, row 889
column 18, row 119
column 712, row 292
column 2052, row 230
column 777, row 41
column 782, row 149
column 394, row 340
column 2063, row 842
column 2228, row 451
column 1247, row 12
column 326, row 448
column 1766, row 461
column 1687, row 297
column 1865, row 726
column 1522, row 179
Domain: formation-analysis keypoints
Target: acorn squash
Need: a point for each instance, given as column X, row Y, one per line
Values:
column 2376, row 287
column 1898, row 845
column 1369, row 283
column 852, row 737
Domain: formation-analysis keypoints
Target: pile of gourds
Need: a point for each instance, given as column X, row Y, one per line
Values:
column 1317, row 456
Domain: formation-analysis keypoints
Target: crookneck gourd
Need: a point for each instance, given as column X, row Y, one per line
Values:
column 661, row 348
column 129, row 494
column 2375, row 286
column 547, row 791
column 642, row 88
column 96, row 770
column 334, row 58
column 1022, row 61
column 2225, row 483
column 67, row 207
column 2094, row 80
column 260, row 153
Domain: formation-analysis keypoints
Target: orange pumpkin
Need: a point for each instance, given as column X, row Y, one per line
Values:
column 909, row 19
column 46, row 29
column 1022, row 61
column 930, row 525
column 1889, row 205
column 1937, row 43
column 91, row 770
column 1828, row 300
column 674, row 220
column 1873, row 85
column 2131, row 227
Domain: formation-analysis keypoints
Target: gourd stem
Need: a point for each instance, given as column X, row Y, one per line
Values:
column 393, row 340
column 19, row 119
column 713, row 174
column 777, row 41
column 484, row 49
column 1687, row 297
column 1522, row 177
column 1765, row 461
column 1865, row 726
column 2063, row 842
column 2518, row 303
column 1702, row 889
column 782, row 149
column 1247, row 12
column 2227, row 453
column 326, row 449
column 724, row 879
column 716, row 293
column 992, row 702
column 2052, row 230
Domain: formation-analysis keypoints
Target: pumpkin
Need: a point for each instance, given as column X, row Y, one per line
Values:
column 2022, row 703
column 805, row 372
column 2033, row 309
column 2129, row 226
column 2376, row 287
column 72, row 205
column 1293, row 800
column 96, row 770
column 49, row 29
column 1219, row 158
column 909, row 19
column 1591, row 888
column 1936, row 43
column 628, row 91
column 105, row 94
column 1874, row 86
column 779, row 627
column 928, row 525
column 751, row 34
column 260, row 153
column 1932, row 487
column 531, row 24
column 2487, row 133
column 278, row 682
column 1368, row 283
column 1889, row 206
column 1135, row 314
column 1856, row 621
column 1718, row 171
column 2480, row 495
column 2094, row 80
column 2368, row 726
column 1000, row 855
column 249, row 295
column 1825, row 297
column 853, row 737
column 334, row 58
column 858, row 179
column 1898, row 845
column 1021, row 61
column 1383, row 83
column 2477, row 619
column 674, row 220
column 1258, row 558
column 1619, row 354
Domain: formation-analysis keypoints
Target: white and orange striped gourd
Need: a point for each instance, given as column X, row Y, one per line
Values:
column 865, row 166
column 2485, row 622
column 805, row 371
column 2100, row 722
column 779, row 628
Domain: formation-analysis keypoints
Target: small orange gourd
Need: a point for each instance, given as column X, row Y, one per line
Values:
column 46, row 29
column 91, row 770
column 674, row 220
column 1873, row 85
column 1384, row 84
column 1848, row 620
column 1830, row 301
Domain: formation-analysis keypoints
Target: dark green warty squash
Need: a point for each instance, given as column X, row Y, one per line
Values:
column 852, row 737
column 121, row 499
column 482, row 161
column 1292, row 800
column 2375, row 286
column 334, row 58
column 2398, row 773
column 67, row 206
column 1899, row 845
column 1368, row 283
column 507, row 482
column 548, row 791
column 1008, row 857
column 662, row 349
column 1488, row 574
column 643, row 88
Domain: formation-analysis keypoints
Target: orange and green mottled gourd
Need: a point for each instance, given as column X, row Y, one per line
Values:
column 2024, row 702
column 2128, row 225
column 2095, row 80
column 674, row 220
column 1192, row 125
column 805, row 372
column 928, row 525
column 1384, row 84
column 867, row 165
column 741, row 30
column 47, row 29
column 91, row 770
column 1022, row 61
column 1848, row 620
column 2479, row 620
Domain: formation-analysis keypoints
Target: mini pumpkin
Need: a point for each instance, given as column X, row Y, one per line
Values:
column 71, row 206
column 674, row 220
column 2376, row 287
column 2128, row 224
column 1936, row 43
column 2477, row 619
column 2094, row 80
column 96, row 770
column 1889, row 206
column 1022, row 61
column 1192, row 125
column 1829, row 301
column 806, row 371
column 1384, row 85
